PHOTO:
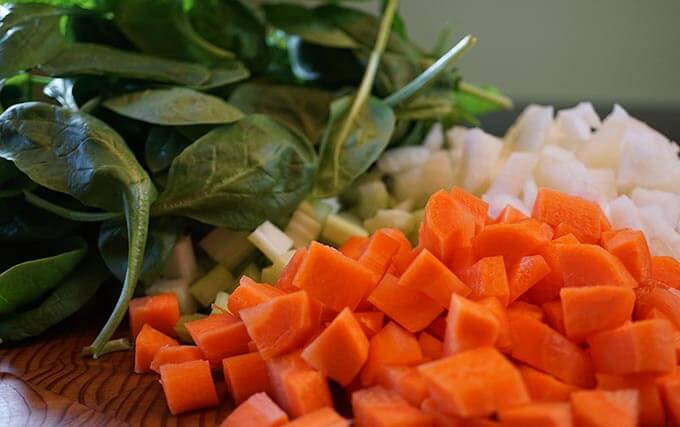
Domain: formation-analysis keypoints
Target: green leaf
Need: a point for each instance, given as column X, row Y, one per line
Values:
column 239, row 175
column 175, row 106
column 29, row 35
column 227, row 73
column 478, row 101
column 162, row 146
column 303, row 109
column 90, row 59
column 67, row 298
column 21, row 222
column 62, row 91
column 27, row 282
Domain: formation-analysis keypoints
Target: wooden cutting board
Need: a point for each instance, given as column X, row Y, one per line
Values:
column 45, row 382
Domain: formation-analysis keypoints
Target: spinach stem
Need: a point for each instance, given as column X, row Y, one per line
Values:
column 500, row 100
column 68, row 213
column 432, row 72
column 120, row 344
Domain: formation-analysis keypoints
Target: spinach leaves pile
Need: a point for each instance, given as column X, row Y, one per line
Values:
column 125, row 122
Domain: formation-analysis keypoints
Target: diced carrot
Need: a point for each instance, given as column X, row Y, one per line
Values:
column 476, row 206
column 431, row 347
column 474, row 383
column 545, row 388
column 332, row 278
column 402, row 260
column 666, row 270
column 546, row 230
column 587, row 265
column 344, row 333
column 430, row 276
column 439, row 419
column 447, row 225
column 147, row 344
column 371, row 322
column 504, row 340
column 487, row 278
column 565, row 229
column 605, row 225
column 651, row 407
column 469, row 325
column 461, row 259
column 219, row 336
column 510, row 215
column 258, row 411
column 581, row 215
column 252, row 347
column 591, row 309
column 392, row 346
column 523, row 308
column 405, row 380
column 297, row 387
column 665, row 300
column 285, row 280
column 438, row 327
column 540, row 346
column 548, row 288
column 159, row 311
column 380, row 407
column 542, row 414
column 354, row 247
column 669, row 388
column 411, row 309
column 526, row 273
column 511, row 241
column 175, row 354
column 554, row 315
column 188, row 386
column 638, row 347
column 379, row 251
column 245, row 375
column 566, row 239
column 249, row 294
column 630, row 246
column 281, row 324
column 324, row 417
column 597, row 408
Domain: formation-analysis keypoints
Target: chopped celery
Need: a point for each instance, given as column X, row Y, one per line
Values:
column 303, row 227
column 320, row 209
column 180, row 287
column 227, row 247
column 181, row 328
column 373, row 196
column 271, row 274
column 182, row 262
column 252, row 271
column 405, row 205
column 339, row 228
column 205, row 288
column 270, row 240
column 390, row 218
column 221, row 303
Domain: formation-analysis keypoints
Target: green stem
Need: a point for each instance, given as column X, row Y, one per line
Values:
column 121, row 344
column 68, row 213
column 91, row 104
column 500, row 100
column 432, row 72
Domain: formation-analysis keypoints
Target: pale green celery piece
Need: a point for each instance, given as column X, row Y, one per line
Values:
column 180, row 287
column 182, row 261
column 339, row 228
column 303, row 227
column 227, row 247
column 181, row 328
column 270, row 240
column 373, row 196
column 390, row 218
column 252, row 271
column 221, row 304
column 405, row 205
column 218, row 279
column 271, row 274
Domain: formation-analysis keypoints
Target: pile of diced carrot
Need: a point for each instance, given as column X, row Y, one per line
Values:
column 553, row 320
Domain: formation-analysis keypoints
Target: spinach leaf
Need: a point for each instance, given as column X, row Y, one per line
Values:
column 162, row 146
column 227, row 73
column 239, row 175
column 62, row 91
column 303, row 109
column 330, row 67
column 174, row 107
column 91, row 59
column 67, row 298
column 29, row 281
column 7, row 171
column 29, row 35
column 21, row 222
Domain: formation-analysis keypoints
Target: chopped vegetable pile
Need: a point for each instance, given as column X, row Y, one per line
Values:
column 556, row 319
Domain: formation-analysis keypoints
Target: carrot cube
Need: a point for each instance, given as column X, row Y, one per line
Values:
column 160, row 311
column 587, row 265
column 487, row 278
column 510, row 215
column 392, row 346
column 405, row 380
column 324, row 417
column 219, row 336
column 188, row 386
column 583, row 216
column 447, row 225
column 543, row 414
column 431, row 347
column 554, row 316
column 666, row 269
column 354, row 247
column 438, row 327
column 476, row 206
column 545, row 388
column 651, row 407
column 605, row 408
column 380, row 407
column 592, row 309
column 630, row 246
column 522, row 308
column 526, row 273
column 665, row 301
column 469, row 325
column 245, row 375
column 504, row 340
column 258, row 411
column 511, row 241
column 285, row 280
column 175, row 354
column 249, row 294
column 379, row 251
column 669, row 388
column 148, row 343
column 371, row 322
column 430, row 276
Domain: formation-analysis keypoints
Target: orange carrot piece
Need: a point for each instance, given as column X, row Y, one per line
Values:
column 246, row 375
column 592, row 309
column 565, row 229
column 638, row 347
column 587, row 265
column 511, row 241
column 431, row 347
column 439, row 419
column 324, row 417
column 545, row 388
column 487, row 278
column 540, row 346
column 160, row 311
column 666, row 270
column 461, row 259
column 147, row 344
column 379, row 251
column 430, row 276
column 392, row 346
column 554, row 315
column 344, row 333
column 474, row 383
column 371, row 322
column 469, row 325
column 542, row 414
column 526, row 273
column 597, row 408
column 411, row 309
column 630, row 246
column 285, row 280
column 548, row 288
column 405, row 380
column 281, row 324
column 403, row 259
column 504, row 340
column 332, row 278
column 581, row 215
column 664, row 300
column 380, row 407
column 354, row 247
column 258, row 411
column 438, row 327
column 447, row 225
column 188, row 386
column 669, row 388
column 249, row 294
column 219, row 336
column 476, row 206
column 297, row 387
column 522, row 308
column 651, row 407
column 510, row 215
column 175, row 354
column 566, row 239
